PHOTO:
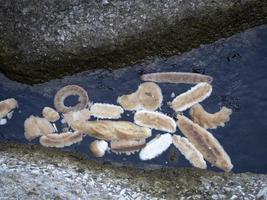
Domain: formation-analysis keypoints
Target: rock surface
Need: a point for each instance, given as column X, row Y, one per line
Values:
column 42, row 40
column 32, row 172
column 262, row 195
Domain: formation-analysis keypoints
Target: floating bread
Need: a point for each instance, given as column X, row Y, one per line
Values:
column 80, row 115
column 148, row 96
column 6, row 106
column 156, row 147
column 176, row 77
column 61, row 140
column 112, row 130
column 127, row 146
column 50, row 114
column 155, row 120
column 193, row 96
column 106, row 111
column 70, row 90
column 189, row 151
column 99, row 148
column 205, row 142
column 3, row 121
column 208, row 120
column 37, row 126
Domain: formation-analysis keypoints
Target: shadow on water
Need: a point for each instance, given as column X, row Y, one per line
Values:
column 239, row 68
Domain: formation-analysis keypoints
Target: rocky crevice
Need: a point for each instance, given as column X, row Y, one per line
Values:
column 40, row 42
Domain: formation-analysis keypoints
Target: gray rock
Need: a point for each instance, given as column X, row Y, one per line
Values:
column 33, row 172
column 262, row 195
column 42, row 40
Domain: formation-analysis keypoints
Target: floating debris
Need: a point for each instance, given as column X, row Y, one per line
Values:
column 106, row 111
column 156, row 147
column 55, row 127
column 173, row 155
column 80, row 115
column 193, row 96
column 127, row 146
column 99, row 148
column 10, row 115
column 61, row 140
column 205, row 142
column 3, row 121
column 112, row 130
column 67, row 91
column 208, row 120
column 36, row 126
column 155, row 120
column 126, row 137
column 6, row 106
column 148, row 97
column 176, row 77
column 189, row 151
column 50, row 114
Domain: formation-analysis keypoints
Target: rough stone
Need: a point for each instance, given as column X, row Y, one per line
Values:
column 262, row 195
column 42, row 40
column 33, row 172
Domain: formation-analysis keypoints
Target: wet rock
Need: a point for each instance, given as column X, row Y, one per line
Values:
column 49, row 39
column 33, row 172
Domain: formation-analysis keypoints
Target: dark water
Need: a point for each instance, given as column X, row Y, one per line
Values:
column 239, row 68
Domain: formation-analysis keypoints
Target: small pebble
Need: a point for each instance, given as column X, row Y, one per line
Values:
column 105, row 2
column 233, row 197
